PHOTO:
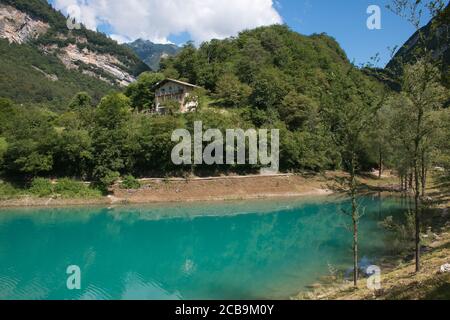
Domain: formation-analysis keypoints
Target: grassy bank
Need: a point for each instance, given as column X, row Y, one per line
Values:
column 44, row 188
column 44, row 192
column 399, row 281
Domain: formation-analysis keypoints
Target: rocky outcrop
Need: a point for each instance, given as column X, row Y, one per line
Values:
column 71, row 56
column 19, row 27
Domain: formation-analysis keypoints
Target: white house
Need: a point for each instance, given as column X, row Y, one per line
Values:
column 170, row 90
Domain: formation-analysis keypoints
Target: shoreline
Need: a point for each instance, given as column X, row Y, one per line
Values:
column 31, row 202
column 210, row 189
column 399, row 281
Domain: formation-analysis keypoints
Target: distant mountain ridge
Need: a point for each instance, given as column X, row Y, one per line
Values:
column 152, row 53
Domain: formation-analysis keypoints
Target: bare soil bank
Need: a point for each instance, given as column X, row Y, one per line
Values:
column 223, row 188
column 207, row 189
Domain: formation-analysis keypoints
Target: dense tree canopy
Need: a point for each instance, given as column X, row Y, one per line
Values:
column 270, row 77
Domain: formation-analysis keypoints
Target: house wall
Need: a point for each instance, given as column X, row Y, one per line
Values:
column 171, row 91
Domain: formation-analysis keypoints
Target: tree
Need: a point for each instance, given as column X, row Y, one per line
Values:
column 110, row 138
column 269, row 89
column 172, row 107
column 31, row 140
column 81, row 101
column 142, row 92
column 297, row 110
column 379, row 139
column 233, row 92
column 186, row 62
column 422, row 91
column 422, row 94
column 3, row 149
column 349, row 110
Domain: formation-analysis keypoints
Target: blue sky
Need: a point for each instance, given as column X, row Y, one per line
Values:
column 345, row 20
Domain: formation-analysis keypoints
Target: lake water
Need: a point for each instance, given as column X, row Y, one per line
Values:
column 243, row 250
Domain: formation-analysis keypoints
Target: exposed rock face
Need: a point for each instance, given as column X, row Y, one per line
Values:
column 18, row 27
column 71, row 55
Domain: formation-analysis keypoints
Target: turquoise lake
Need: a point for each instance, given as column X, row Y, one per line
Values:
column 232, row 250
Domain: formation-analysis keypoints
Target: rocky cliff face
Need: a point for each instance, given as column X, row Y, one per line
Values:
column 19, row 27
column 105, row 67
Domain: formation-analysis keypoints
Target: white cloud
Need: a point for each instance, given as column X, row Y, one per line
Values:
column 156, row 20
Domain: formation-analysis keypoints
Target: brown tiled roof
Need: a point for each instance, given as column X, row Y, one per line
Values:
column 176, row 81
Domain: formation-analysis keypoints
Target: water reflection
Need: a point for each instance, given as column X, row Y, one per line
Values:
column 251, row 250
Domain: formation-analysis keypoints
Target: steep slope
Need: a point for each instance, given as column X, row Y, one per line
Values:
column 152, row 53
column 43, row 61
column 267, row 62
column 433, row 38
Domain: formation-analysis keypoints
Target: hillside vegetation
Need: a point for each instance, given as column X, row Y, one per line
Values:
column 269, row 77
column 33, row 72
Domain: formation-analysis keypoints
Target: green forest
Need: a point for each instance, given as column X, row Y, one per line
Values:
column 25, row 70
column 270, row 77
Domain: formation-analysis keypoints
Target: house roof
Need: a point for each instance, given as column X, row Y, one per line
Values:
column 159, row 84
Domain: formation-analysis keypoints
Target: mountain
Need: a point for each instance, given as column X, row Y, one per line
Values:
column 152, row 53
column 433, row 38
column 266, row 58
column 44, row 61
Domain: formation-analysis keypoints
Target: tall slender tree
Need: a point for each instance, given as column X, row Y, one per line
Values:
column 422, row 95
column 352, row 106
column 420, row 86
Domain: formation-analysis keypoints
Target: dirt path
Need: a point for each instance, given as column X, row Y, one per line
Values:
column 224, row 188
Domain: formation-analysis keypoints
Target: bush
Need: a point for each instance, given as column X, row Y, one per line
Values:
column 65, row 188
column 109, row 179
column 130, row 182
column 8, row 191
column 41, row 187
column 68, row 188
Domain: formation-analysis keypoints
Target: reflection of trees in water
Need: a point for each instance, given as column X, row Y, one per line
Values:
column 233, row 256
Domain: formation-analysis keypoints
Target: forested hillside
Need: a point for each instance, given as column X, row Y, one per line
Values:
column 330, row 114
column 45, row 62
column 269, row 77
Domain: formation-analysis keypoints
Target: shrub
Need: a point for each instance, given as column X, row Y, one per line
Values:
column 130, row 182
column 108, row 179
column 68, row 188
column 41, row 187
column 8, row 191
